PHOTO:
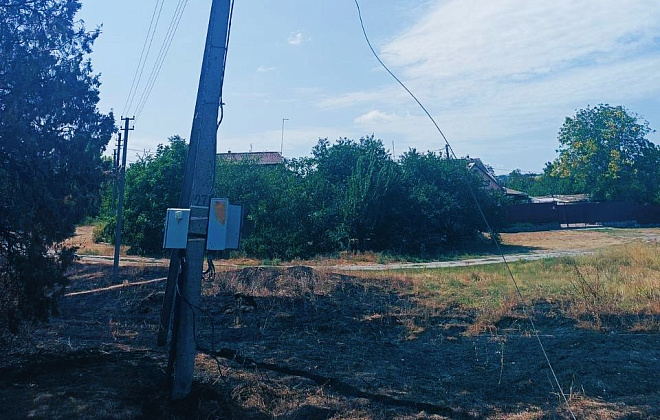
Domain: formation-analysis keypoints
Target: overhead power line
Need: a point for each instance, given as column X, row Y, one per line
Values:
column 483, row 216
column 160, row 59
column 144, row 55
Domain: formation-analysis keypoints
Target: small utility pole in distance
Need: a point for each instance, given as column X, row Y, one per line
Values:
column 115, row 172
column 122, row 183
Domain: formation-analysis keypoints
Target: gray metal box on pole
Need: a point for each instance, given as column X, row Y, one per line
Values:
column 198, row 185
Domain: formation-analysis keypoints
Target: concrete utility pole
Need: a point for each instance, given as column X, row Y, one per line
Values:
column 120, row 205
column 115, row 172
column 196, row 195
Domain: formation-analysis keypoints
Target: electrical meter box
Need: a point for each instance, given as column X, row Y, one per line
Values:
column 176, row 229
column 224, row 225
column 218, row 221
column 234, row 226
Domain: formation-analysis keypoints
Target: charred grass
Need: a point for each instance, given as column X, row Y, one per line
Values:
column 307, row 343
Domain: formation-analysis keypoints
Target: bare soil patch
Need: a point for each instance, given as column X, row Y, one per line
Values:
column 314, row 345
column 83, row 240
column 580, row 239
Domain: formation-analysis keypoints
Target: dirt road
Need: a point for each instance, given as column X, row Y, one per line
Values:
column 535, row 246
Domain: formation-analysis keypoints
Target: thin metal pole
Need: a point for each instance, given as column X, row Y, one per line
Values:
column 120, row 205
column 282, row 144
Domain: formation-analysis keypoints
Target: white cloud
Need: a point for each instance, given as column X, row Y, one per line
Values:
column 374, row 117
column 296, row 38
column 264, row 69
column 515, row 39
column 361, row 97
column 500, row 76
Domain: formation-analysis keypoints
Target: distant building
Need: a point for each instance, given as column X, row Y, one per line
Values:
column 562, row 199
column 260, row 158
column 491, row 183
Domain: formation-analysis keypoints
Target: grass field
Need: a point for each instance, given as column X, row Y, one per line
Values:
column 618, row 287
column 399, row 344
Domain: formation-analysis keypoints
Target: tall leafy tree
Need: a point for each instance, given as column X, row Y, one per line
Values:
column 153, row 184
column 604, row 152
column 51, row 139
column 440, row 206
column 360, row 180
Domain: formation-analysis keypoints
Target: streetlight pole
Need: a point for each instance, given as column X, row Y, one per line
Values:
column 282, row 144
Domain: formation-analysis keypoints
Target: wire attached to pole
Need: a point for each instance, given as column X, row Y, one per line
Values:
column 481, row 212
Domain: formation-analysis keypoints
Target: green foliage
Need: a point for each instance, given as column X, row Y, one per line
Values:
column 439, row 204
column 153, row 184
column 534, row 185
column 277, row 205
column 357, row 181
column 347, row 196
column 51, row 139
column 352, row 196
column 604, row 152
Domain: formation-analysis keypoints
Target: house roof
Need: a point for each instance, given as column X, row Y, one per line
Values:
column 565, row 198
column 511, row 192
column 477, row 165
column 260, row 158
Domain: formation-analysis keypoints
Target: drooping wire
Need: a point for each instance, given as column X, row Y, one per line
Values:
column 144, row 55
column 209, row 273
column 162, row 54
column 481, row 212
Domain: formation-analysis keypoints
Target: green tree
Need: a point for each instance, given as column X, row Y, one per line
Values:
column 535, row 185
column 604, row 153
column 280, row 220
column 153, row 184
column 439, row 204
column 358, row 181
column 51, row 139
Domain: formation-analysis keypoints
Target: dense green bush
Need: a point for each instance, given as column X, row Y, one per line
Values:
column 153, row 184
column 52, row 136
column 351, row 196
column 348, row 196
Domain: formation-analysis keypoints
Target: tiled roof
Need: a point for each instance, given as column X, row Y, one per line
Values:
column 260, row 158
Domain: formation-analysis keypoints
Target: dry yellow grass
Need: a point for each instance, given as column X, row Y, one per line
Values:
column 618, row 287
column 580, row 239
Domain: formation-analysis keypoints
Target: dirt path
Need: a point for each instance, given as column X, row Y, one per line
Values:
column 461, row 263
column 539, row 245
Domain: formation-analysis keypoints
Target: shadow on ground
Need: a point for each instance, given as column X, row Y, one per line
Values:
column 298, row 344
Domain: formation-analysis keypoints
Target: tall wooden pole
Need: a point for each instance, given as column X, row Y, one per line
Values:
column 196, row 194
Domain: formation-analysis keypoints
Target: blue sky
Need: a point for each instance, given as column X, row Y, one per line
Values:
column 499, row 76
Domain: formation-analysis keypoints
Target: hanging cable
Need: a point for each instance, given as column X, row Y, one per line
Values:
column 139, row 70
column 160, row 58
column 482, row 214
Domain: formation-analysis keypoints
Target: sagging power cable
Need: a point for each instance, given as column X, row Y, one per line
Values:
column 524, row 304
